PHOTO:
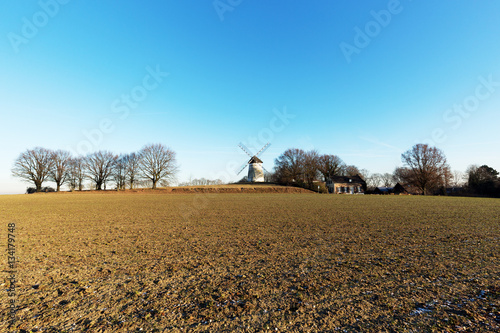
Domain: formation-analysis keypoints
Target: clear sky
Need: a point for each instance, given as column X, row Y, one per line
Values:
column 364, row 80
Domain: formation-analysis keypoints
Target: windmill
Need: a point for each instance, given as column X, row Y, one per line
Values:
column 255, row 168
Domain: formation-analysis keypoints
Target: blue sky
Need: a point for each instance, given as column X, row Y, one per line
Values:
column 364, row 80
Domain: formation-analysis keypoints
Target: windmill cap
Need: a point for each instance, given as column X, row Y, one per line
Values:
column 255, row 159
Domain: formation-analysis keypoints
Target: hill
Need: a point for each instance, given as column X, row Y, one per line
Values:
column 230, row 188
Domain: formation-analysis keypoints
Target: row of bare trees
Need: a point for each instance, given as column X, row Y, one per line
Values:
column 154, row 163
column 424, row 167
column 202, row 182
column 304, row 167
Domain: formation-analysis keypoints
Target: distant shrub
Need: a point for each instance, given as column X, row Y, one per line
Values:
column 46, row 189
column 314, row 187
column 31, row 190
column 323, row 188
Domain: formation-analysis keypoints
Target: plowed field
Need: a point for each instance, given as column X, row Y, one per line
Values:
column 248, row 262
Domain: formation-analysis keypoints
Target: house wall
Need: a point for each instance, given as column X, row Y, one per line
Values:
column 345, row 188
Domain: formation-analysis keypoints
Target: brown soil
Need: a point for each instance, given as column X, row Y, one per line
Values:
column 252, row 263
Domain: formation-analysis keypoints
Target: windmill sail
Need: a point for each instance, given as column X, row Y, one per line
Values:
column 255, row 168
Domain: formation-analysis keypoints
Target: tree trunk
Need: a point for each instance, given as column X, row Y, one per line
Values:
column 154, row 184
column 58, row 187
column 38, row 186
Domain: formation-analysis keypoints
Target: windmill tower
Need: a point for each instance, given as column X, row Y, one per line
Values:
column 255, row 168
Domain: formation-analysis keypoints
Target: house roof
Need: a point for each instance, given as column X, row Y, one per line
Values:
column 346, row 179
column 385, row 189
column 255, row 159
column 406, row 188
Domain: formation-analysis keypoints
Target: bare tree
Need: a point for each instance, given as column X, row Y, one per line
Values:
column 446, row 179
column 72, row 181
column 378, row 179
column 374, row 180
column 457, row 178
column 311, row 167
column 202, row 181
column 269, row 177
column 330, row 165
column 426, row 167
column 290, row 166
column 143, row 183
column 61, row 165
column 99, row 166
column 132, row 171
column 386, row 179
column 120, row 172
column 351, row 171
column 470, row 174
column 157, row 163
column 34, row 165
column 400, row 175
column 77, row 172
column 363, row 173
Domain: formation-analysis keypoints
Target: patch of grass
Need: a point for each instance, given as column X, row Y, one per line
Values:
column 254, row 262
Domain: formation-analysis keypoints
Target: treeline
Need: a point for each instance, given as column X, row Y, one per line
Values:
column 304, row 168
column 202, row 182
column 425, row 171
column 483, row 180
column 154, row 164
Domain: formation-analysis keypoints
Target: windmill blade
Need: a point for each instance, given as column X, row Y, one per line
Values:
column 263, row 149
column 245, row 149
column 242, row 168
